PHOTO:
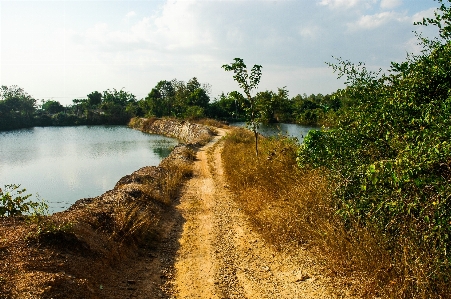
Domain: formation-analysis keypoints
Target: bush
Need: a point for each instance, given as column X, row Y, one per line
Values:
column 391, row 158
column 14, row 203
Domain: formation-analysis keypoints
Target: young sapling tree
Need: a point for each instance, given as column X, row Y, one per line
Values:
column 248, row 83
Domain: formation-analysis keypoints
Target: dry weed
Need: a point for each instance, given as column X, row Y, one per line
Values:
column 293, row 208
column 132, row 222
column 211, row 122
column 174, row 175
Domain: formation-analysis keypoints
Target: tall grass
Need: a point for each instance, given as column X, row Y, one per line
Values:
column 294, row 208
column 283, row 202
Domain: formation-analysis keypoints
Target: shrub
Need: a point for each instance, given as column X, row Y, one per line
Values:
column 391, row 158
column 13, row 202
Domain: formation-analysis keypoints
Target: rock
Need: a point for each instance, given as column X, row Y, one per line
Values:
column 300, row 276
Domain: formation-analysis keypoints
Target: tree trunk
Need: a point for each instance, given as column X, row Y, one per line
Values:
column 256, row 142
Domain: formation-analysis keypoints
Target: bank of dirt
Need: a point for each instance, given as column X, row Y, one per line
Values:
column 145, row 240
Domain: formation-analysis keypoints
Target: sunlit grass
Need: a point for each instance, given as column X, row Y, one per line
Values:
column 294, row 208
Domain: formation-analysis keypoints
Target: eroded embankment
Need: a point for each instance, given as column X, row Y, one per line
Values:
column 93, row 249
column 187, row 132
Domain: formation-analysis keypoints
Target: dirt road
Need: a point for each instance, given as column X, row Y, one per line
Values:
column 219, row 256
column 209, row 250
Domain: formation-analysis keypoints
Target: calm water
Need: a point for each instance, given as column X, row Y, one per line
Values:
column 292, row 130
column 64, row 164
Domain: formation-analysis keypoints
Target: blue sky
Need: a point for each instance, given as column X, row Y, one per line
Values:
column 63, row 50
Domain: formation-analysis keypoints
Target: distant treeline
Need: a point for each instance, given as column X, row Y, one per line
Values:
column 188, row 100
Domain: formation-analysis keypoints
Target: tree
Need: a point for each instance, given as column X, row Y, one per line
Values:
column 16, row 108
column 177, row 98
column 248, row 83
column 161, row 98
column 94, row 98
column 117, row 97
column 52, row 107
column 198, row 97
column 193, row 84
column 227, row 106
column 15, row 99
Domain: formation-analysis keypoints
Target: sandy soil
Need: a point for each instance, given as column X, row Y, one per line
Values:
column 211, row 251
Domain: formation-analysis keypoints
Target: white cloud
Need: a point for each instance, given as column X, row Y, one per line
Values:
column 179, row 25
column 98, row 32
column 340, row 3
column 175, row 27
column 412, row 46
column 389, row 4
column 429, row 13
column 309, row 31
column 182, row 39
column 376, row 20
column 130, row 14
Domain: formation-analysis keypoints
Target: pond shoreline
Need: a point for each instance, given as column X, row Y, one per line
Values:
column 74, row 253
column 192, row 135
column 63, row 164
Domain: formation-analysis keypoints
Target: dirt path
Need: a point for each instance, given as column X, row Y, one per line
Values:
column 219, row 256
column 207, row 249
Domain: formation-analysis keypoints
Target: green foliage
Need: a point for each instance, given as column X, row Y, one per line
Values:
column 52, row 107
column 16, row 108
column 14, row 202
column 227, row 107
column 50, row 227
column 116, row 97
column 274, row 107
column 194, row 112
column 391, row 154
column 94, row 98
column 168, row 98
column 177, row 99
column 248, row 83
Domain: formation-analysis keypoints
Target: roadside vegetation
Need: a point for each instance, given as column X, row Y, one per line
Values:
column 14, row 202
column 374, row 190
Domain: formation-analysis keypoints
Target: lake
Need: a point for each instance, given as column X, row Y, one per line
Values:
column 64, row 164
column 291, row 130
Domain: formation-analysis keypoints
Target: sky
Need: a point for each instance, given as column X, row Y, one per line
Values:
column 64, row 49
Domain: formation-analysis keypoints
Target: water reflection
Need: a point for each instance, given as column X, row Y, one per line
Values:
column 162, row 151
column 19, row 152
column 291, row 130
column 64, row 164
column 162, row 148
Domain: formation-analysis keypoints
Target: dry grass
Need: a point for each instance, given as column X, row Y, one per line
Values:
column 272, row 189
column 145, row 124
column 293, row 208
column 210, row 122
column 173, row 176
column 132, row 222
